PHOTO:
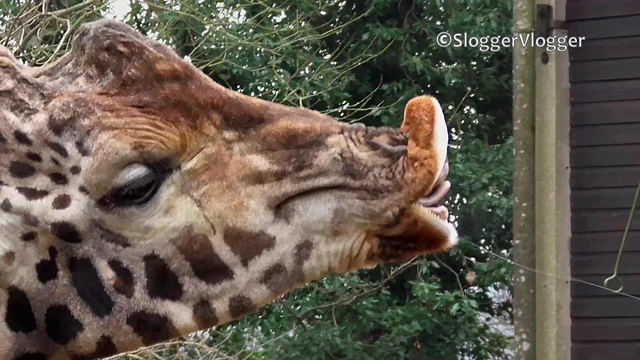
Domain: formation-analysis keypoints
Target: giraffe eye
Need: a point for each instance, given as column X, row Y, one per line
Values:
column 138, row 185
column 138, row 192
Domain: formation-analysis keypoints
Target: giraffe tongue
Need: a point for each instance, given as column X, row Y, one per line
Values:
column 432, row 201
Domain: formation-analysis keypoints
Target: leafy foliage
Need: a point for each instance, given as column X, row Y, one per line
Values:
column 359, row 61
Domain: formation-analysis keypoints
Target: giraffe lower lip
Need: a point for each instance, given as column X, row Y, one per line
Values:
column 420, row 230
column 440, row 211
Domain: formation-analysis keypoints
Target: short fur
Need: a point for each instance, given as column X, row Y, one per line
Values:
column 258, row 199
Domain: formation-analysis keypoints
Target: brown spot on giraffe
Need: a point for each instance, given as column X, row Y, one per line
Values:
column 31, row 193
column 58, row 149
column 302, row 252
column 47, row 269
column 61, row 325
column 34, row 157
column 61, row 202
column 21, row 170
column 204, row 314
column 162, row 282
column 65, row 231
column 123, row 282
column 276, row 277
column 151, row 327
column 104, row 348
column 22, row 137
column 9, row 258
column 203, row 260
column 6, row 205
column 240, row 305
column 29, row 236
column 156, row 202
column 19, row 315
column 247, row 244
column 58, row 178
column 89, row 287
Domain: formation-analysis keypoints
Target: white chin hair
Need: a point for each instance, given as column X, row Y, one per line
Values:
column 453, row 234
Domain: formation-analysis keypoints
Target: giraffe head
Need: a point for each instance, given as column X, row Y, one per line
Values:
column 140, row 201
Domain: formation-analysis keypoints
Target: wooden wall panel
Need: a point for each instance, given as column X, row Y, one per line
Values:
column 604, row 113
column 597, row 9
column 604, row 77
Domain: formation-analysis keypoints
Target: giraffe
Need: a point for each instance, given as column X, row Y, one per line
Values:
column 141, row 201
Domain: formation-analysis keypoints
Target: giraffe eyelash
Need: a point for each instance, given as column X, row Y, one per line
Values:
column 142, row 184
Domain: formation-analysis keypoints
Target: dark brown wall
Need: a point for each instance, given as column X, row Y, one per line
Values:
column 605, row 171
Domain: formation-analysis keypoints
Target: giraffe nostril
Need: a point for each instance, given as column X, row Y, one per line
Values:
column 392, row 150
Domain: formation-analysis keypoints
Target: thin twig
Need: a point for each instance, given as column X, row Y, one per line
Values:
column 46, row 17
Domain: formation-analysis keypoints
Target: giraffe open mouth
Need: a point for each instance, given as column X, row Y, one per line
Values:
column 422, row 228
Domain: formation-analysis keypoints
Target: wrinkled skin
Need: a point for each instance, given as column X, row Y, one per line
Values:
column 141, row 201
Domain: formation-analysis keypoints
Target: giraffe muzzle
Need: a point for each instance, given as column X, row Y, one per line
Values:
column 422, row 226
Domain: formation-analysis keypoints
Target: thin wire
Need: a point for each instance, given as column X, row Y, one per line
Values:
column 624, row 240
column 560, row 277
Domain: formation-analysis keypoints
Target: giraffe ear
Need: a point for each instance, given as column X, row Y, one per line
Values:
column 109, row 57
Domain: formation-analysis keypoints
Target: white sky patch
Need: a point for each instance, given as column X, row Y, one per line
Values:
column 118, row 10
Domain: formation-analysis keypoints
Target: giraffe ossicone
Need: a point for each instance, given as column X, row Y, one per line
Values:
column 141, row 201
